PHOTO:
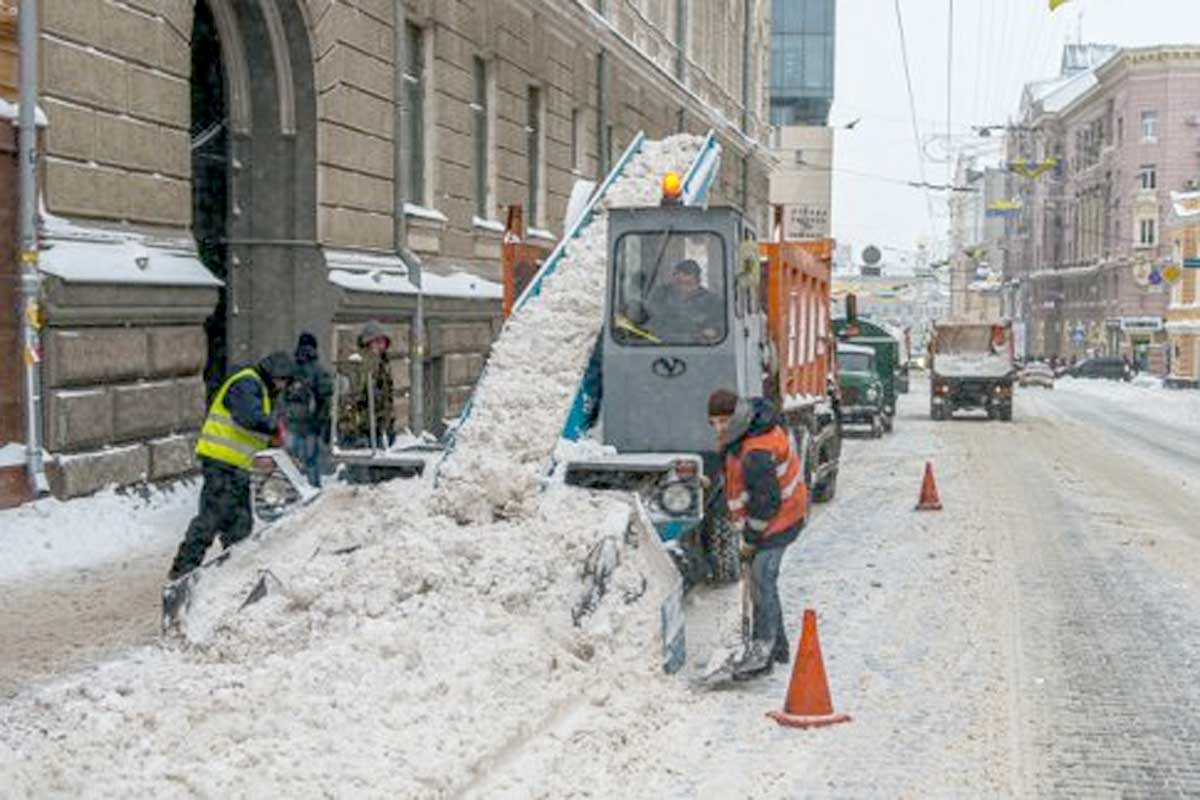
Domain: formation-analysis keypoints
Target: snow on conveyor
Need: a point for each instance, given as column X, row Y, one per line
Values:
column 535, row 366
column 398, row 652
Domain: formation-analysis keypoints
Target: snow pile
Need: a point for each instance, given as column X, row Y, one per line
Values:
column 50, row 536
column 523, row 398
column 1173, row 409
column 396, row 653
column 972, row 365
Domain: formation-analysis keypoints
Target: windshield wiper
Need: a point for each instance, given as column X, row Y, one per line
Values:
column 662, row 251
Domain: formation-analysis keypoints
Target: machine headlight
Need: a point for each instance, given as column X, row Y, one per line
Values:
column 675, row 498
column 872, row 394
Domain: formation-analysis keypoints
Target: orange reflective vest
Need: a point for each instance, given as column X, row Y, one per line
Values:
column 793, row 493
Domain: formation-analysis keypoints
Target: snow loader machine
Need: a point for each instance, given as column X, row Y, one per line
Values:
column 756, row 320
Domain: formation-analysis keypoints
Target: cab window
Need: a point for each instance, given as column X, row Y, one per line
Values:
column 670, row 289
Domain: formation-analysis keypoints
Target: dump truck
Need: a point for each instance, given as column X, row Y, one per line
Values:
column 971, row 367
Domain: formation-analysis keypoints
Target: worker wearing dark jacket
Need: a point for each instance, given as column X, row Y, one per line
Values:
column 308, row 405
column 241, row 421
column 768, row 502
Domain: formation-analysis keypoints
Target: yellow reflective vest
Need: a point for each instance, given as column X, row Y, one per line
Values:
column 222, row 439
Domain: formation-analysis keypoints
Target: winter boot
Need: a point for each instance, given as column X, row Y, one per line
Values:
column 781, row 653
column 754, row 661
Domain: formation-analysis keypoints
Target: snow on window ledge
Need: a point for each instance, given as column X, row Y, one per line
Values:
column 493, row 225
column 422, row 212
column 542, row 233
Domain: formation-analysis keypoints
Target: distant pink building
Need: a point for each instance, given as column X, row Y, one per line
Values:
column 1122, row 130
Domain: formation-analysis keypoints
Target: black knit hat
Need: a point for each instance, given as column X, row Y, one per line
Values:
column 307, row 340
column 722, row 403
column 688, row 267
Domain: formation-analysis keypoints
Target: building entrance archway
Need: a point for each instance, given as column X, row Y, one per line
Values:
column 254, row 148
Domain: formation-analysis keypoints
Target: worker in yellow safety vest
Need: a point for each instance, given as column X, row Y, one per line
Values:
column 241, row 421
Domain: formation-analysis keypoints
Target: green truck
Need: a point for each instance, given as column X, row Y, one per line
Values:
column 887, row 363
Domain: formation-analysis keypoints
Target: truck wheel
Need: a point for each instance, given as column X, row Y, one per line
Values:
column 824, row 491
column 722, row 544
column 877, row 426
column 1006, row 413
column 889, row 423
column 935, row 413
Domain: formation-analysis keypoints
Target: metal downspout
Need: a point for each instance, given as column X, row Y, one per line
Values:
column 30, row 277
column 416, row 336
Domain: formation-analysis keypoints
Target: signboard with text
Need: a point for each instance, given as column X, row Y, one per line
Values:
column 805, row 221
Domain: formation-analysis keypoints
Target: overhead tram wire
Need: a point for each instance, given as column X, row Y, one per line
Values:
column 912, row 108
column 978, row 61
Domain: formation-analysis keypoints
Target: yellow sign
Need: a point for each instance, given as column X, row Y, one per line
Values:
column 1171, row 273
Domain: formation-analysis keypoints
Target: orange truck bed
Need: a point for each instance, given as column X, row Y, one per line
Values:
column 798, row 288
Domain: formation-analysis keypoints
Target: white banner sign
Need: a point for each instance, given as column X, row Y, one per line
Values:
column 1187, row 204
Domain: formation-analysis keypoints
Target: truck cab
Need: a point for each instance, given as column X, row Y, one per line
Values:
column 689, row 309
column 862, row 394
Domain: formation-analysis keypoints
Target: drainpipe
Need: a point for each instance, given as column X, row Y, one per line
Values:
column 747, row 60
column 416, row 336
column 27, row 37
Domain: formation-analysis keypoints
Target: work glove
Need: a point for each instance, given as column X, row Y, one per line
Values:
column 747, row 551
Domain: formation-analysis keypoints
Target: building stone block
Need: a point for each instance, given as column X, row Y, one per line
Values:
column 463, row 368
column 144, row 409
column 152, row 198
column 87, row 473
column 159, row 98
column 171, row 457
column 355, row 190
column 401, row 373
column 71, row 19
column 368, row 73
column 192, row 406
column 456, row 400
column 80, row 357
column 178, row 14
column 78, row 418
column 353, row 150
column 359, row 110
column 353, row 228
column 460, row 337
column 74, row 73
column 177, row 350
column 71, row 131
column 128, row 34
column 84, row 190
column 126, row 142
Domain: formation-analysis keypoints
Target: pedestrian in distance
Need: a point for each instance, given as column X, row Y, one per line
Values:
column 369, row 389
column 308, row 408
column 768, row 503
column 243, row 419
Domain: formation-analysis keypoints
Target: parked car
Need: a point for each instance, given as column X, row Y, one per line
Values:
column 1109, row 367
column 1036, row 373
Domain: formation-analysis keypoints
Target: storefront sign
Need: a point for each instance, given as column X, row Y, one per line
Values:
column 1141, row 324
column 805, row 221
column 1191, row 263
column 1187, row 204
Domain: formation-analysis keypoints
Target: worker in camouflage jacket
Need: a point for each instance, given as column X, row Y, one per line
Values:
column 368, row 369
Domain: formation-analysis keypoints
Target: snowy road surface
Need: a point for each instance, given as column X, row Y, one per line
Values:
column 1038, row 637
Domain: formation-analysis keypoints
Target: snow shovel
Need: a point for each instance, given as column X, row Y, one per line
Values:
column 723, row 662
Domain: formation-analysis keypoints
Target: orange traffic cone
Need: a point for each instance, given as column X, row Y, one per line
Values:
column 929, row 500
column 807, row 704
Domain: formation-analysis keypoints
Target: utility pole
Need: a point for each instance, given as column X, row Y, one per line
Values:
column 31, row 312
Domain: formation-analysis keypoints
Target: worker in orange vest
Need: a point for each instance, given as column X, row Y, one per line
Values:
column 768, row 502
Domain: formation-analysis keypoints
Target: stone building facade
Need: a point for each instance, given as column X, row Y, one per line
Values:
column 1089, row 248
column 289, row 163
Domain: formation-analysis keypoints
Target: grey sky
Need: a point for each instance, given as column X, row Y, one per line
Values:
column 998, row 46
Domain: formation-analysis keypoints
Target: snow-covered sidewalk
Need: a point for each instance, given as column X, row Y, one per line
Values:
column 53, row 537
column 1177, row 409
